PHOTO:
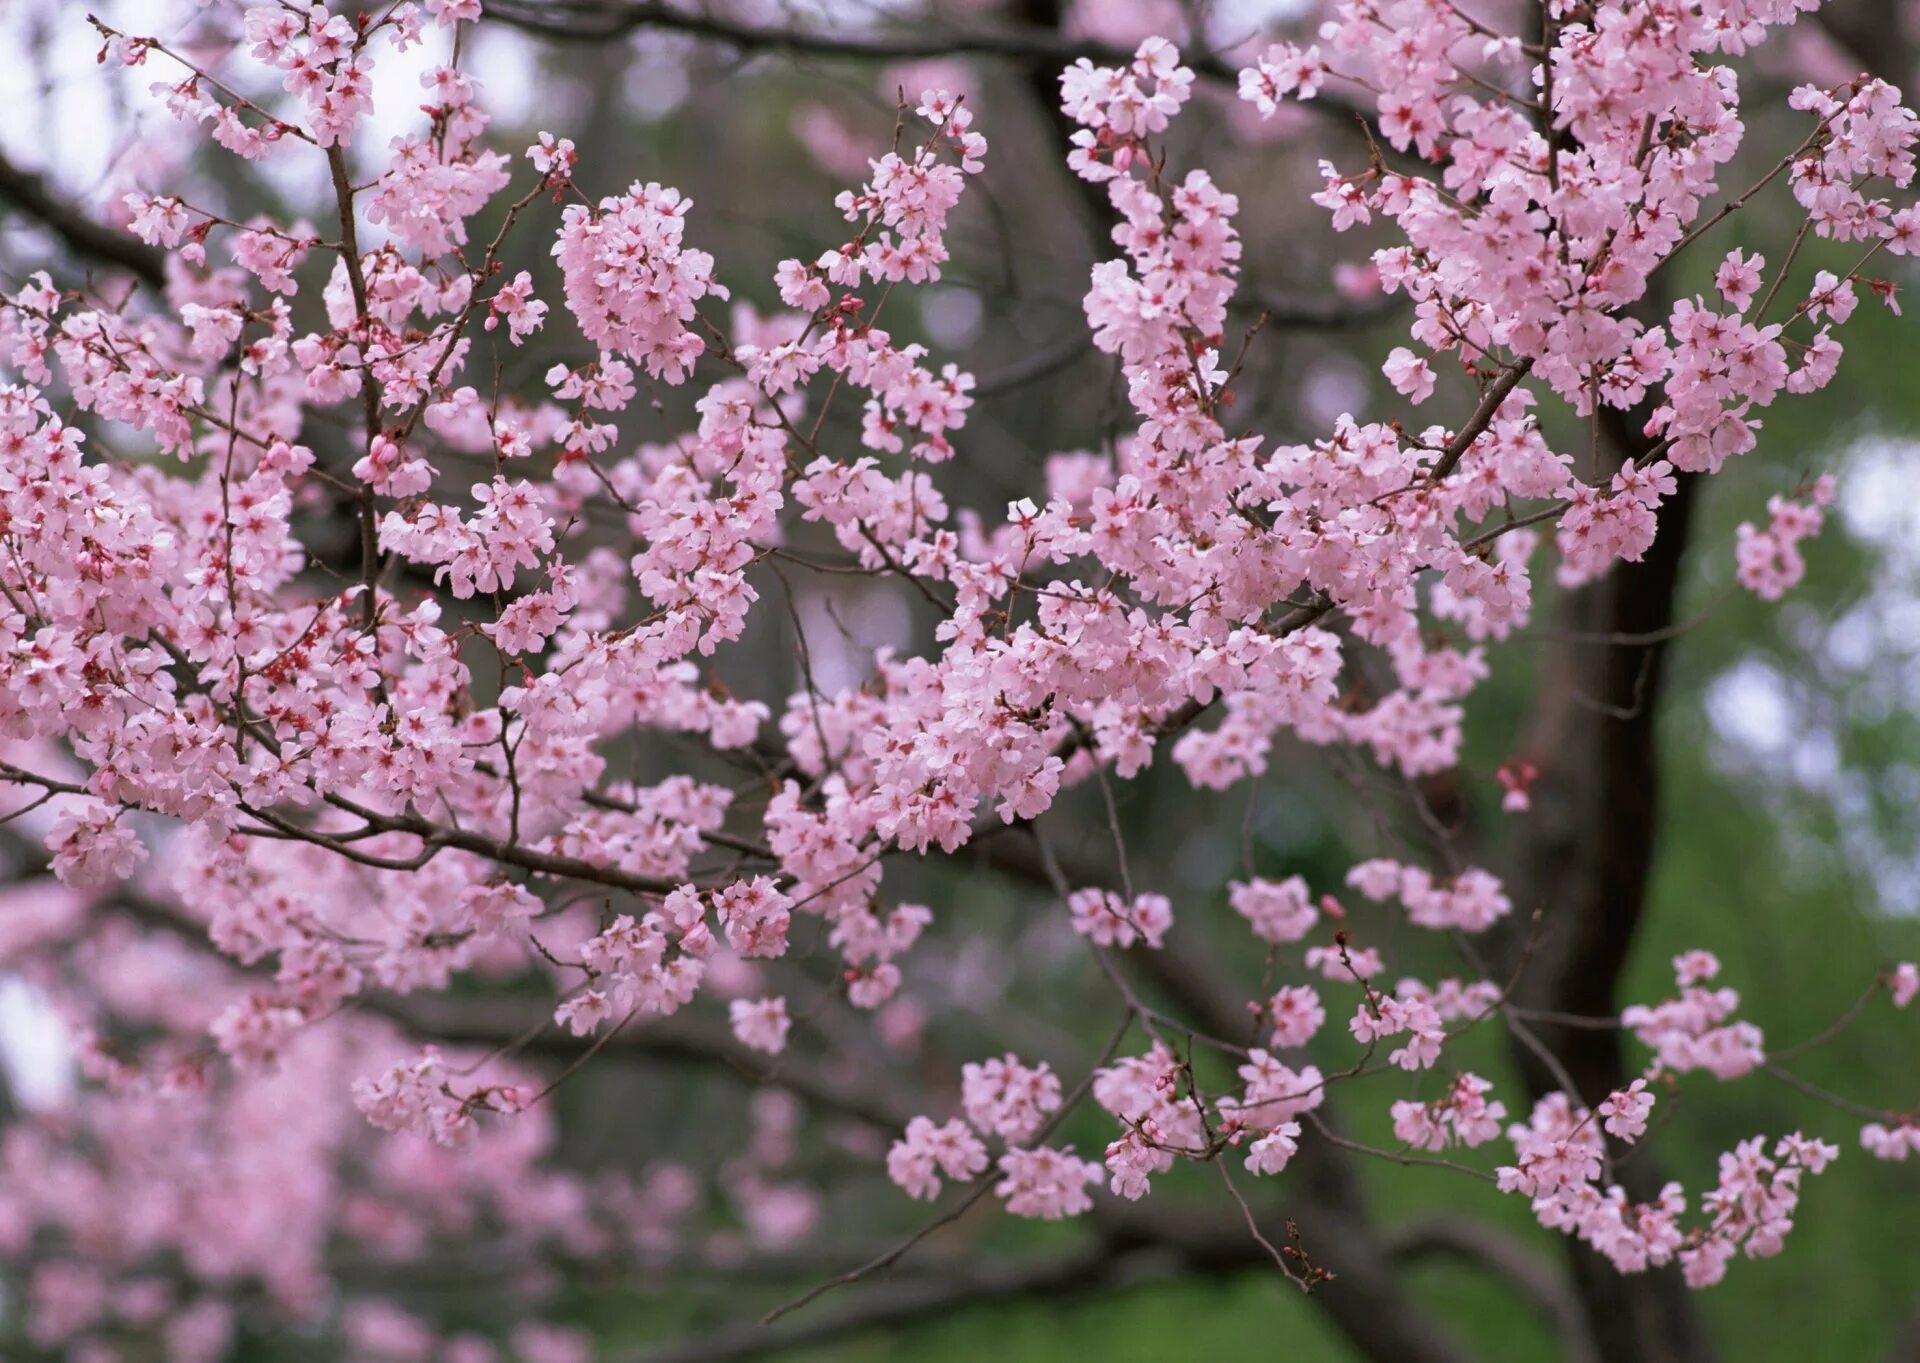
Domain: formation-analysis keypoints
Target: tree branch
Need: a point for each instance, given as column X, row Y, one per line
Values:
column 499, row 1024
column 1585, row 857
column 1321, row 311
column 1097, row 1269
column 1519, row 1266
column 29, row 195
column 602, row 21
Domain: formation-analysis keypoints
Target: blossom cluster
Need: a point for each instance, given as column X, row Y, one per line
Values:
column 366, row 794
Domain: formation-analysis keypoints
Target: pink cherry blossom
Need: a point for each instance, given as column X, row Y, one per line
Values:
column 760, row 1024
column 385, row 676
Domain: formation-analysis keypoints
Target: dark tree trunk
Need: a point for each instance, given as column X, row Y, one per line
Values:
column 1585, row 861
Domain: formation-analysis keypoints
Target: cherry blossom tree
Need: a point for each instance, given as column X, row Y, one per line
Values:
column 376, row 786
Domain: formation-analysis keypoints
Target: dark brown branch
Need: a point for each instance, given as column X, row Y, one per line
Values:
column 899, row 1303
column 1519, row 1266
column 1482, row 417
column 599, row 21
column 602, row 21
column 1322, row 311
column 29, row 195
column 1585, row 858
column 1366, row 1298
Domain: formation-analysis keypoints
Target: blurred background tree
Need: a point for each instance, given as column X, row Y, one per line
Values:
column 1784, row 740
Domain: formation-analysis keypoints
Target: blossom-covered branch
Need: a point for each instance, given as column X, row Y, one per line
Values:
column 495, row 753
